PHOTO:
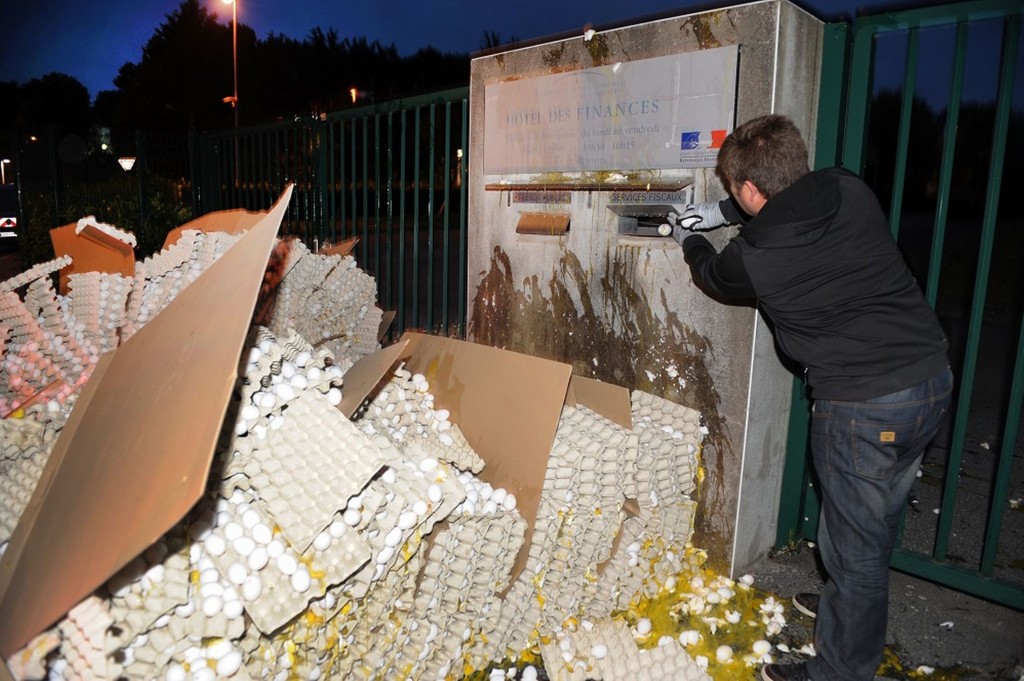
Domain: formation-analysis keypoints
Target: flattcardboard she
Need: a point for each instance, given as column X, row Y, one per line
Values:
column 136, row 451
column 506, row 404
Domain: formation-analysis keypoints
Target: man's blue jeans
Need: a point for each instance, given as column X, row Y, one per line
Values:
column 866, row 455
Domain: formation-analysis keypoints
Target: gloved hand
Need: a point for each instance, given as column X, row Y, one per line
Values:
column 700, row 217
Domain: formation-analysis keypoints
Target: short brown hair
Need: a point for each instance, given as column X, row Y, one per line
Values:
column 769, row 151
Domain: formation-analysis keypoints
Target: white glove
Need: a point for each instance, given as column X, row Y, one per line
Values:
column 700, row 217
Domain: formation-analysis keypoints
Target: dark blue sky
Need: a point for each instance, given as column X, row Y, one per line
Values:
column 91, row 39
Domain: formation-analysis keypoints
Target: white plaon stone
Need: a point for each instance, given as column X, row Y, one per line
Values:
column 761, row 647
column 599, row 651
column 723, row 653
column 643, row 626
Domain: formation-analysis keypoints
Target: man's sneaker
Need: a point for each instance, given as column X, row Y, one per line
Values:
column 807, row 604
column 785, row 672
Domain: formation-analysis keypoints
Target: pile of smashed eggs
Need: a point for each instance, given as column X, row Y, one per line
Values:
column 359, row 580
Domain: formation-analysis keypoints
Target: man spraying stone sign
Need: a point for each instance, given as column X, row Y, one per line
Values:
column 814, row 250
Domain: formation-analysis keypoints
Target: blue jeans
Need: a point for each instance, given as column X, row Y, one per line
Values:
column 866, row 455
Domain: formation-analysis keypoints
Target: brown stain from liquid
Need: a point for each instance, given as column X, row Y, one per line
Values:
column 553, row 57
column 597, row 46
column 633, row 347
column 701, row 28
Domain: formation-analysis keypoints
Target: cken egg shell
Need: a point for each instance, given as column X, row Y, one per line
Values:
column 301, row 580
column 229, row 664
column 262, row 534
column 212, row 605
column 215, row 545
column 244, row 546
column 689, row 637
column 252, row 587
column 393, row 538
column 287, row 564
column 237, row 573
column 407, row 520
column 233, row 609
column 233, row 531
column 258, row 559
column 322, row 541
column 218, row 649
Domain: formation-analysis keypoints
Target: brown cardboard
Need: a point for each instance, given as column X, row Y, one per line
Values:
column 610, row 401
column 543, row 223
column 343, row 248
column 234, row 221
column 386, row 320
column 135, row 453
column 506, row 404
column 91, row 250
column 363, row 377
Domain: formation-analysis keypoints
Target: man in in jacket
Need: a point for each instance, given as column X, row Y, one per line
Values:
column 814, row 250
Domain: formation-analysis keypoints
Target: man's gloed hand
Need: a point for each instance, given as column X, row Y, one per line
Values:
column 699, row 217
